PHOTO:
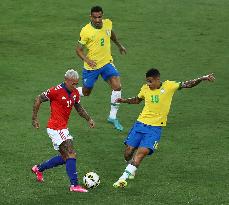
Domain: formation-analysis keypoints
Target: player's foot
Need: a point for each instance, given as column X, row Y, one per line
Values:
column 77, row 188
column 116, row 123
column 121, row 183
column 38, row 174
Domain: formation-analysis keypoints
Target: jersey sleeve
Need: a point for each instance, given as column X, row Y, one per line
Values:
column 173, row 85
column 50, row 93
column 83, row 37
column 109, row 23
column 141, row 94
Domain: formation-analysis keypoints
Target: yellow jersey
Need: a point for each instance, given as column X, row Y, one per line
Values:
column 157, row 103
column 97, row 42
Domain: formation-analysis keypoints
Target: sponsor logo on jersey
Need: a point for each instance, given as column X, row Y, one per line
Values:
column 162, row 90
column 108, row 32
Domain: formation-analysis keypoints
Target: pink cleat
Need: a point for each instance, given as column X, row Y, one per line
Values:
column 77, row 188
column 39, row 174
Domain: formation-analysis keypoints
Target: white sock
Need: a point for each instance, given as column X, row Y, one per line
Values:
column 130, row 170
column 114, row 106
column 80, row 90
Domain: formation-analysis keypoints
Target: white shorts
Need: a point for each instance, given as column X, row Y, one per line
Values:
column 58, row 136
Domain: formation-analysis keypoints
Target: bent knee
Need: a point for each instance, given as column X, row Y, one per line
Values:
column 118, row 88
column 86, row 91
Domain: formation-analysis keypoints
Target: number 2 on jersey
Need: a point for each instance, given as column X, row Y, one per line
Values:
column 102, row 41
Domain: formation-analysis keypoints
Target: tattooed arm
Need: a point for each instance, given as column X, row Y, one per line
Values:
column 134, row 100
column 36, row 105
column 194, row 82
column 82, row 112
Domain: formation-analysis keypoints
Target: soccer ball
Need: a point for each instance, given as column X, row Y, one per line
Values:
column 91, row 180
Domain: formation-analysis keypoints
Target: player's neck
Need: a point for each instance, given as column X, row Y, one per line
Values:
column 156, row 87
column 66, row 88
column 94, row 26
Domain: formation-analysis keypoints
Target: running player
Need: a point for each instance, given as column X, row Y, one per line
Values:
column 95, row 38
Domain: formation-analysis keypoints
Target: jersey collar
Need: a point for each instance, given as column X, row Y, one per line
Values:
column 65, row 88
column 92, row 25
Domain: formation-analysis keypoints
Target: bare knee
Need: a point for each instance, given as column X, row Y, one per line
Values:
column 86, row 91
column 72, row 154
column 127, row 156
column 66, row 150
column 115, row 83
column 128, row 153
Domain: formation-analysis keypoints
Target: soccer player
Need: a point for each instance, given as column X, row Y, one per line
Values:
column 95, row 38
column 62, row 98
column 145, row 134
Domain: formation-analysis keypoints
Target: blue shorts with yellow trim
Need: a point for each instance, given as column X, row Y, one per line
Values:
column 142, row 135
column 91, row 76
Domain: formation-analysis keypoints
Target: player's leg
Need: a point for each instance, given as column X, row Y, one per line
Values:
column 129, row 152
column 54, row 161
column 68, row 153
column 111, row 75
column 132, row 142
column 116, row 93
column 147, row 146
column 128, row 155
column 149, row 137
column 89, row 77
column 132, row 167
column 51, row 163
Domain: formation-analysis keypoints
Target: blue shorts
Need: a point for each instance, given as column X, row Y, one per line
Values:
column 142, row 135
column 91, row 76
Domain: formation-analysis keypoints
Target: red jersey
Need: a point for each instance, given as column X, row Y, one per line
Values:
column 61, row 103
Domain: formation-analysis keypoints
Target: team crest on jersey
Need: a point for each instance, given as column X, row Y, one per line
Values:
column 108, row 32
column 162, row 90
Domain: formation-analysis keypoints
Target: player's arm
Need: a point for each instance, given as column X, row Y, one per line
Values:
column 134, row 100
column 82, row 55
column 36, row 106
column 122, row 49
column 195, row 82
column 82, row 113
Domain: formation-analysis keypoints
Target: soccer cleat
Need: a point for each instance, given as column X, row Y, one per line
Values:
column 116, row 123
column 77, row 188
column 39, row 174
column 121, row 183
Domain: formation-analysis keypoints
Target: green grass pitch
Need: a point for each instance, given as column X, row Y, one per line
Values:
column 183, row 38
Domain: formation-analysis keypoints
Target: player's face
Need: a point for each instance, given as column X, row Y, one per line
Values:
column 71, row 83
column 153, row 82
column 96, row 19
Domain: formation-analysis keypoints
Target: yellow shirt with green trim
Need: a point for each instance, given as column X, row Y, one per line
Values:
column 157, row 103
column 97, row 42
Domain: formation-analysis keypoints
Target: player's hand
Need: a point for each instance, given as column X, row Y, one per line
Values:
column 35, row 123
column 91, row 63
column 91, row 123
column 122, row 49
column 120, row 100
column 209, row 77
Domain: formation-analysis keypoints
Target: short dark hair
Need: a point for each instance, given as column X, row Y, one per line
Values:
column 153, row 72
column 96, row 9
